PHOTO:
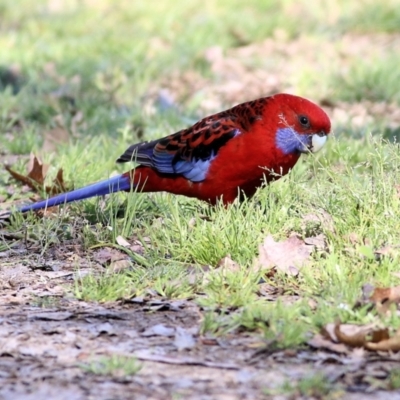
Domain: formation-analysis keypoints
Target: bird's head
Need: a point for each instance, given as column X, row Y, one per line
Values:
column 302, row 125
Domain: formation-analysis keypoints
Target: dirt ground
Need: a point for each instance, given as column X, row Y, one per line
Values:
column 46, row 339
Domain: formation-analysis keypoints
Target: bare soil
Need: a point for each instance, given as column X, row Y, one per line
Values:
column 47, row 338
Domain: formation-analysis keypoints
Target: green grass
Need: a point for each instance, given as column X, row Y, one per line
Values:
column 315, row 386
column 365, row 81
column 116, row 365
column 109, row 62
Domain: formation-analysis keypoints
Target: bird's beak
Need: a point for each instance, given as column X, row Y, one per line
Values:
column 317, row 141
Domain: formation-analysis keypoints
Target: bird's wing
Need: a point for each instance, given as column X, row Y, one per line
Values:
column 188, row 152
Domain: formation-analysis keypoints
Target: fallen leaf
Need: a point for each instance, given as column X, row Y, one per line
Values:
column 108, row 255
column 36, row 173
column 36, row 176
column 357, row 336
column 354, row 338
column 386, row 344
column 58, row 185
column 385, row 297
column 321, row 342
column 287, row 256
column 380, row 335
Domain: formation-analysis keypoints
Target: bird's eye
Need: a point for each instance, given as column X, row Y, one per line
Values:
column 304, row 121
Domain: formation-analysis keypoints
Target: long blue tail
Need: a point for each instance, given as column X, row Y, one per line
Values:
column 112, row 185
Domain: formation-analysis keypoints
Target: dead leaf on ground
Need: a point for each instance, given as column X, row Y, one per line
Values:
column 381, row 298
column 132, row 244
column 384, row 295
column 287, row 256
column 383, row 342
column 36, row 175
column 106, row 256
column 347, row 333
column 321, row 342
column 354, row 336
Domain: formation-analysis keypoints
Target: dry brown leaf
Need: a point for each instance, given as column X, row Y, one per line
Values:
column 384, row 295
column 58, row 185
column 355, row 339
column 386, row 344
column 108, row 255
column 36, row 176
column 36, row 173
column 345, row 330
column 320, row 341
column 380, row 335
column 287, row 256
column 367, row 336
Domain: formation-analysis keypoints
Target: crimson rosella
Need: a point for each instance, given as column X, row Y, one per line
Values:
column 221, row 156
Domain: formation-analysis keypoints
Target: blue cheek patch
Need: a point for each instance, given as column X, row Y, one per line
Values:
column 289, row 141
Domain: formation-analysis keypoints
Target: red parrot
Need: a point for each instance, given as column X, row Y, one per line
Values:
column 221, row 156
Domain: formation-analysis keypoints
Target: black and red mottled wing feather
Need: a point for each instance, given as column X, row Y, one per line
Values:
column 189, row 152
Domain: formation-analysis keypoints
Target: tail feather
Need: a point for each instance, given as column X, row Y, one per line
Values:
column 112, row 185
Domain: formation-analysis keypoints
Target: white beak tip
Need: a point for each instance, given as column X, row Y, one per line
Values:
column 317, row 142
